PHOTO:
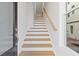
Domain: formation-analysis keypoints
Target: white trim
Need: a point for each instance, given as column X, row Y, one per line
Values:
column 62, row 10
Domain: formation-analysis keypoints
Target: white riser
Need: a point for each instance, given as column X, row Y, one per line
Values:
column 37, row 29
column 37, row 49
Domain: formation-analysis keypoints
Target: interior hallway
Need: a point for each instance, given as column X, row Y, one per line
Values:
column 41, row 36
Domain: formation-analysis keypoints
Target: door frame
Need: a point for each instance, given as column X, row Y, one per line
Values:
column 14, row 23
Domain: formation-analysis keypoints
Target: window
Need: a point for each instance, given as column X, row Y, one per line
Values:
column 73, row 6
column 73, row 11
column 71, row 29
column 68, row 14
column 68, row 2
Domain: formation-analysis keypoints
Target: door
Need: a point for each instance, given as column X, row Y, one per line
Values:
column 14, row 23
column 6, row 26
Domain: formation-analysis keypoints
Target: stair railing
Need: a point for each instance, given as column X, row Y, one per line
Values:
column 49, row 19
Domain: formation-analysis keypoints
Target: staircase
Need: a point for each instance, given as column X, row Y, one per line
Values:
column 38, row 41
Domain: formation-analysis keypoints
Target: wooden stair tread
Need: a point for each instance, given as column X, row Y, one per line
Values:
column 39, row 25
column 38, row 31
column 39, row 17
column 37, row 34
column 38, row 28
column 37, row 53
column 37, row 39
column 38, row 21
column 36, row 45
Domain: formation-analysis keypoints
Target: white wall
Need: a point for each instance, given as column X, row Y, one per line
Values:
column 57, row 13
column 25, row 18
column 6, row 26
column 62, row 18
column 53, row 11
